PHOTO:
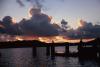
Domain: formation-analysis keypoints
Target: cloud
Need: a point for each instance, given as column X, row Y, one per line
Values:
column 89, row 30
column 39, row 24
column 20, row 2
column 34, row 3
column 1, row 28
column 64, row 24
column 8, row 27
column 86, row 30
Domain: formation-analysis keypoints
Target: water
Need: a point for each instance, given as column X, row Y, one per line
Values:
column 22, row 57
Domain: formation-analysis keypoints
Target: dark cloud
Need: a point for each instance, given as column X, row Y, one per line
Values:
column 20, row 2
column 8, row 27
column 87, row 30
column 64, row 24
column 39, row 24
column 35, row 3
column 1, row 27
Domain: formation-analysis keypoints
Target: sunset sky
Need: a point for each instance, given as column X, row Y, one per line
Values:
column 70, row 10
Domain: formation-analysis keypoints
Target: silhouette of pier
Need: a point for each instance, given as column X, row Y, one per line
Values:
column 85, row 49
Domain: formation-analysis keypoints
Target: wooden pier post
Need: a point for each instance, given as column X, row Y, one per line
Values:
column 67, row 50
column 48, row 51
column 34, row 51
column 97, row 42
column 80, row 45
column 52, row 52
column 0, row 54
column 87, row 50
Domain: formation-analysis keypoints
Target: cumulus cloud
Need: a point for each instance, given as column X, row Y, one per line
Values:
column 64, row 24
column 86, row 30
column 39, row 24
column 1, row 27
column 8, row 27
column 89, row 30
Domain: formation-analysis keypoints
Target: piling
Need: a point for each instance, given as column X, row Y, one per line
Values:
column 48, row 51
column 34, row 51
column 67, row 50
column 53, row 52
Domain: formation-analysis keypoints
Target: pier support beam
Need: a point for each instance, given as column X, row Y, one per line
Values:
column 99, row 52
column 0, row 54
column 34, row 51
column 67, row 50
column 52, row 52
column 48, row 51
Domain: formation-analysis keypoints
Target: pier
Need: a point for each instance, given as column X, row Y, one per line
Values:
column 85, row 49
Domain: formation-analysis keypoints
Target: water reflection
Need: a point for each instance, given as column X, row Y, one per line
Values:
column 22, row 57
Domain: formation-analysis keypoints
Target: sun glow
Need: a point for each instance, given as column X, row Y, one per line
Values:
column 52, row 39
column 80, row 22
column 14, row 20
column 20, row 39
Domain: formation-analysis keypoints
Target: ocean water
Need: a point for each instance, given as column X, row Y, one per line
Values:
column 23, row 57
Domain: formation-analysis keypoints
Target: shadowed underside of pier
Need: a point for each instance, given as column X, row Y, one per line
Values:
column 22, row 44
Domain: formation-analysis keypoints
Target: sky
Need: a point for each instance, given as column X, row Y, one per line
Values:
column 70, row 10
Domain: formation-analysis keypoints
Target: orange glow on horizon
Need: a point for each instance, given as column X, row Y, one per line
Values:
column 55, row 39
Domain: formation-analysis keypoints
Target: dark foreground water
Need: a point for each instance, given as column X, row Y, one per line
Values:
column 22, row 57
